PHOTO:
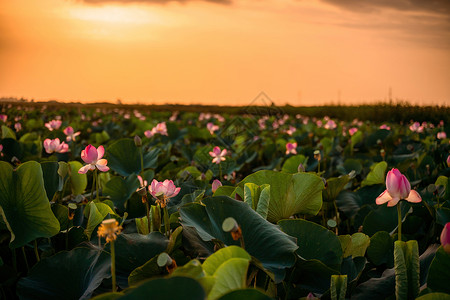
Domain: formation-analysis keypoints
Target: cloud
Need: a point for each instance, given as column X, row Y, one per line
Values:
column 435, row 6
column 152, row 1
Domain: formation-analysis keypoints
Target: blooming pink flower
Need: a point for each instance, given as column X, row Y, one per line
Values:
column 291, row 130
column 163, row 191
column 1, row 149
column 218, row 155
column 416, row 127
column 291, row 148
column 397, row 188
column 211, row 127
column 319, row 123
column 55, row 146
column 93, row 158
column 160, row 128
column 18, row 127
column 3, row 118
column 441, row 135
column 330, row 125
column 445, row 238
column 352, row 131
column 384, row 126
column 71, row 134
column 215, row 185
column 53, row 125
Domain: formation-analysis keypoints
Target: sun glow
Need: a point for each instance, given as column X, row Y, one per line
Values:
column 115, row 14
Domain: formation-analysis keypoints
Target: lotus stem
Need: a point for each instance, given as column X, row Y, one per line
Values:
column 337, row 216
column 399, row 213
column 147, row 206
column 36, row 251
column 97, row 184
column 25, row 258
column 93, row 184
column 142, row 159
column 113, row 266
column 220, row 172
column 166, row 222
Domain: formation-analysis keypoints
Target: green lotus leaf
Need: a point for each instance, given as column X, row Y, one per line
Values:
column 24, row 204
column 290, row 194
column 381, row 249
column 291, row 164
column 214, row 261
column 230, row 275
column 167, row 289
column 314, row 241
column 263, row 240
column 78, row 181
column 68, row 275
column 376, row 174
column 439, row 272
column 124, row 157
column 120, row 189
column 247, row 294
column 52, row 181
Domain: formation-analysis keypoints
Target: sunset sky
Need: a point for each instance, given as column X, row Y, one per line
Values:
column 226, row 52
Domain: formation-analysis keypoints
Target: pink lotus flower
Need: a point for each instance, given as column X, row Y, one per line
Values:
column 71, row 134
column 160, row 128
column 291, row 148
column 53, row 125
column 215, row 185
column 218, row 155
column 445, row 238
column 352, row 131
column 1, row 149
column 163, row 191
column 384, row 126
column 441, row 135
column 416, row 127
column 93, row 158
column 18, row 127
column 397, row 188
column 211, row 127
column 3, row 118
column 291, row 130
column 55, row 146
column 330, row 125
column 319, row 123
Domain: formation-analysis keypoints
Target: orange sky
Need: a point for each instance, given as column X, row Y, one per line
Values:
column 192, row 51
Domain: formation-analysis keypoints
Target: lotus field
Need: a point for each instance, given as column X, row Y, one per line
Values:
column 116, row 203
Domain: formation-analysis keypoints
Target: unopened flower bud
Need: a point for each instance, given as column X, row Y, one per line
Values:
column 301, row 168
column 137, row 141
column 445, row 238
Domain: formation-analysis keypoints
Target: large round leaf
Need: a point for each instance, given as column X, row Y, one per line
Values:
column 439, row 272
column 24, row 204
column 247, row 294
column 230, row 275
column 167, row 288
column 263, row 240
column 314, row 241
column 120, row 189
column 67, row 275
column 52, row 181
column 78, row 181
column 290, row 194
column 124, row 157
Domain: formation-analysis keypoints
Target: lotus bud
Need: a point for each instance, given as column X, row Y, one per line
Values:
column 215, row 185
column 383, row 153
column 445, row 238
column 448, row 161
column 137, row 141
column 301, row 168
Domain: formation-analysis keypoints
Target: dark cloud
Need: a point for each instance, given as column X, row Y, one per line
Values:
column 436, row 6
column 152, row 1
